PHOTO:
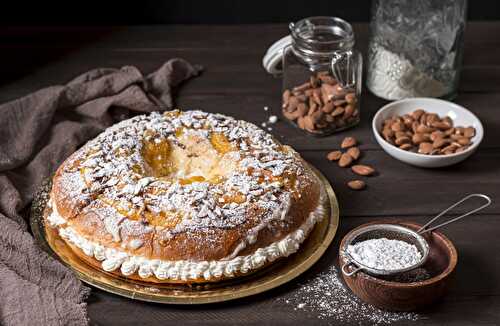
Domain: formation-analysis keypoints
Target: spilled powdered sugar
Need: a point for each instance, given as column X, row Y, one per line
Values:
column 326, row 297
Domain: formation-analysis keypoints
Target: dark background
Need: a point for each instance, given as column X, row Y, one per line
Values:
column 198, row 11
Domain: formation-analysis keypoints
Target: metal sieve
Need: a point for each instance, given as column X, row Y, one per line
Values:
column 402, row 233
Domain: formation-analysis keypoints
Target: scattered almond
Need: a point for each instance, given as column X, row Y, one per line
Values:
column 348, row 142
column 354, row 152
column 365, row 170
column 334, row 155
column 345, row 160
column 356, row 184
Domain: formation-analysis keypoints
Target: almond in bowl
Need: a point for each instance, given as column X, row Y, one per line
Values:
column 427, row 132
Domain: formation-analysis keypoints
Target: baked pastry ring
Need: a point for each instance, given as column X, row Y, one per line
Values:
column 184, row 197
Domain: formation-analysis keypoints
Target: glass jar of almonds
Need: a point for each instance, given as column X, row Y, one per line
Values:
column 321, row 76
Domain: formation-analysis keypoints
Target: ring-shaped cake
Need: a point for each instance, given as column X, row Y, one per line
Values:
column 184, row 197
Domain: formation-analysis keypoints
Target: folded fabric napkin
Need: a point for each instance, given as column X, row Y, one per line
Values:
column 37, row 133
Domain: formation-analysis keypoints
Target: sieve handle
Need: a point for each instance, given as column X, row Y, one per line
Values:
column 424, row 228
column 351, row 273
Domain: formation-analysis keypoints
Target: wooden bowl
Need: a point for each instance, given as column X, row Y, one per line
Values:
column 398, row 296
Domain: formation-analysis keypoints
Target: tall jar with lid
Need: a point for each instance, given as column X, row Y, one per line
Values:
column 416, row 48
column 321, row 76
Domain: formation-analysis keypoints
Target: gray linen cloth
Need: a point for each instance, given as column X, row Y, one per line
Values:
column 37, row 132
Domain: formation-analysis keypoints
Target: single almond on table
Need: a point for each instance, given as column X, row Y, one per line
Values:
column 363, row 169
column 348, row 142
column 345, row 160
column 354, row 152
column 356, row 184
column 334, row 155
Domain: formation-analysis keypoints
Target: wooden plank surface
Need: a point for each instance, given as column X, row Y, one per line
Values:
column 235, row 83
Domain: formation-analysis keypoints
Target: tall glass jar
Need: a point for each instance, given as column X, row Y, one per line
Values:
column 416, row 48
column 321, row 76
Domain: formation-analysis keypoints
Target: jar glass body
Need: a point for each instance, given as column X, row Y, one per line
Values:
column 416, row 48
column 321, row 76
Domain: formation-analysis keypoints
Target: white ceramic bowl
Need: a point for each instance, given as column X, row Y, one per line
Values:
column 459, row 115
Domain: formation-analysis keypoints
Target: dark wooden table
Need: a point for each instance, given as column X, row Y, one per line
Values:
column 234, row 83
